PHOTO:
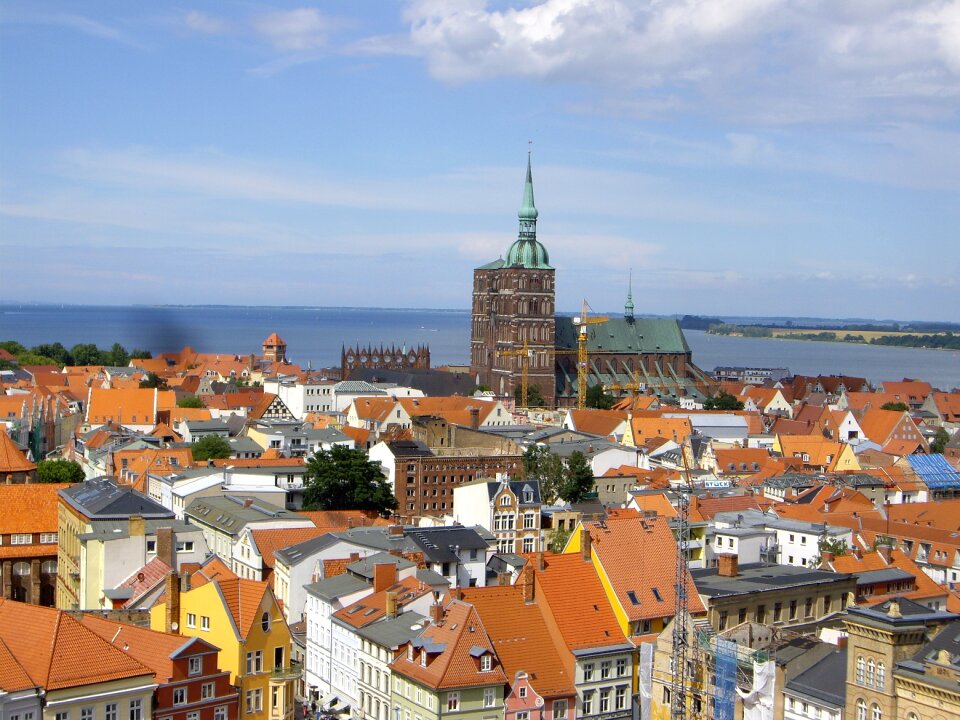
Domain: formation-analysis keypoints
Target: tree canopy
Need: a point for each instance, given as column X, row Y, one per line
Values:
column 534, row 396
column 546, row 467
column 723, row 401
column 211, row 447
column 578, row 478
column 599, row 399
column 345, row 479
column 897, row 406
column 190, row 401
column 940, row 441
column 59, row 470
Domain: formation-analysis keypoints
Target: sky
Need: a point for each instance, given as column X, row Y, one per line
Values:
column 738, row 157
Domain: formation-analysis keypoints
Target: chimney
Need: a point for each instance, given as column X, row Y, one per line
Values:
column 350, row 522
column 436, row 613
column 729, row 565
column 185, row 579
column 503, row 578
column 474, row 418
column 456, row 593
column 826, row 557
column 395, row 531
column 526, row 582
column 540, row 562
column 137, row 527
column 391, row 604
column 842, row 642
column 248, row 502
column 586, row 543
column 885, row 552
column 354, row 557
column 858, row 553
column 165, row 546
column 172, row 615
column 384, row 575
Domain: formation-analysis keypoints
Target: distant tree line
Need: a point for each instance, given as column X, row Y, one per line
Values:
column 696, row 322
column 745, row 330
column 79, row 354
column 947, row 341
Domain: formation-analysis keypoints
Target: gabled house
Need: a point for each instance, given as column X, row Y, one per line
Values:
column 894, row 431
column 508, row 508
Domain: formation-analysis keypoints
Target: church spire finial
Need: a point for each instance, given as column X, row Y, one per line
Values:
column 528, row 211
column 628, row 306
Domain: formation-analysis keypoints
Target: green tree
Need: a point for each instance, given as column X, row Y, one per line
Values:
column 540, row 464
column 12, row 347
column 723, row 401
column 153, row 381
column 897, row 406
column 837, row 547
column 534, row 396
column 137, row 354
column 578, row 478
column 190, row 401
column 940, row 441
column 54, row 350
column 59, row 471
column 118, row 356
column 31, row 358
column 86, row 354
column 557, row 539
column 345, row 479
column 597, row 398
column 211, row 447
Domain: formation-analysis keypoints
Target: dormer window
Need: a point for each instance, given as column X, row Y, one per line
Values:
column 486, row 663
column 423, row 658
column 505, row 500
column 410, row 653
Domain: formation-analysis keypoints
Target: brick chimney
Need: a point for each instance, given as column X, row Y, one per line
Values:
column 172, row 614
column 503, row 578
column 136, row 527
column 474, row 418
column 247, row 502
column 527, row 582
column 395, row 531
column 540, row 562
column 586, row 544
column 391, row 604
column 384, row 575
column 165, row 546
column 729, row 565
column 886, row 552
column 436, row 613
column 826, row 557
column 354, row 557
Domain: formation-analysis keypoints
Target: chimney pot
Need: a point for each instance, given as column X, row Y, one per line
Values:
column 436, row 613
column 391, row 604
column 354, row 557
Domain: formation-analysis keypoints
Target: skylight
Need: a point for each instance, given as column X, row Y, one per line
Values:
column 633, row 597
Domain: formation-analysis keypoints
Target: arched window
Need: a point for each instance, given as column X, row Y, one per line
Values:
column 861, row 664
column 881, row 674
column 875, row 712
column 871, row 673
column 861, row 710
column 21, row 568
column 49, row 567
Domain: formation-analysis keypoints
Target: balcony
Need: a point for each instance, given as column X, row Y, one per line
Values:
column 289, row 672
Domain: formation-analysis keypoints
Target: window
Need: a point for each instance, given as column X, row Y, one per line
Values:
column 265, row 622
column 207, row 690
column 588, row 672
column 151, row 546
column 777, row 612
column 489, row 697
column 528, row 521
column 605, row 669
column 861, row 710
column 486, row 663
column 876, row 713
column 808, row 607
column 793, row 609
column 254, row 700
column 871, row 673
column 86, row 713
column 760, row 614
column 21, row 539
column 135, row 710
column 48, row 538
column 110, row 711
column 180, row 696
column 621, row 699
column 522, row 691
column 194, row 666
column 523, row 715
column 621, row 667
column 528, row 544
column 254, row 662
column 185, row 546
column 559, row 709
column 723, row 620
column 605, row 700
column 204, row 622
column 193, row 715
column 588, row 703
column 505, row 501
column 742, row 616
column 191, row 620
column 453, row 701
column 65, row 715
column 881, row 674
column 861, row 670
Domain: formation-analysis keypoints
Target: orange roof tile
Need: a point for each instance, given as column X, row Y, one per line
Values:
column 522, row 638
column 12, row 459
column 29, row 508
column 573, row 596
column 58, row 652
column 373, row 607
column 597, row 422
column 243, row 598
column 135, row 406
column 705, row 508
column 279, row 538
column 644, row 428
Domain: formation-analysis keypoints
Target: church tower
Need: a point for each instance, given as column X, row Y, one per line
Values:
column 513, row 304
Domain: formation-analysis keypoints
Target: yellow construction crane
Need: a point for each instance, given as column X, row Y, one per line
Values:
column 582, row 321
column 524, row 353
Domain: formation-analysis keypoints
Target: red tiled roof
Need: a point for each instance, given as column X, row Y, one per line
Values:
column 279, row 538
column 12, row 459
column 29, row 508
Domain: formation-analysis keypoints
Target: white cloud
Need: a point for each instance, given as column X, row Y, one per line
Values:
column 201, row 22
column 298, row 30
column 767, row 61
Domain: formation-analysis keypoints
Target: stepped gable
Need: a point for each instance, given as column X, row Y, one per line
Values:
column 383, row 357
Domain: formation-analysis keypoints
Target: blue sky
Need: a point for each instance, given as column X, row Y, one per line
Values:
column 765, row 157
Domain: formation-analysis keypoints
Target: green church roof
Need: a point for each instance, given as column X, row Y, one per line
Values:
column 619, row 335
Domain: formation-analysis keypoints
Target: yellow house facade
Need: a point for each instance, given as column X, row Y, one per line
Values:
column 243, row 618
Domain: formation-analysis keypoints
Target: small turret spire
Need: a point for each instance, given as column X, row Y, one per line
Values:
column 528, row 210
column 628, row 306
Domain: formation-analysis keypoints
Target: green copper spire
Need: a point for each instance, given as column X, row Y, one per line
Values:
column 628, row 306
column 526, row 251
